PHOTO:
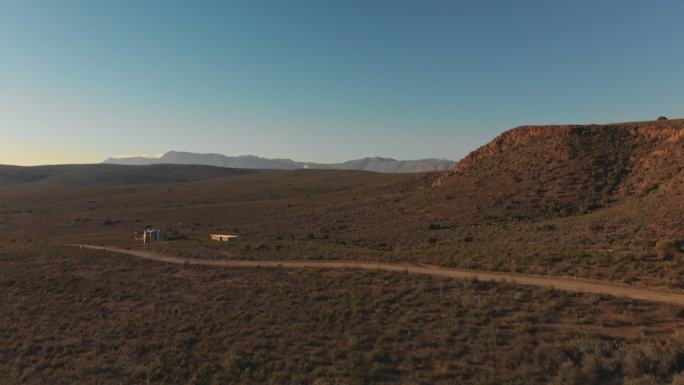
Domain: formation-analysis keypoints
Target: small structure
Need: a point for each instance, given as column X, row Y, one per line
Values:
column 222, row 237
column 149, row 235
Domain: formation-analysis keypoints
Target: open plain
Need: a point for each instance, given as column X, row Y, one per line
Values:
column 227, row 312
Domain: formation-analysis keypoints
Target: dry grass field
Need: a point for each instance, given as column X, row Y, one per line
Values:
column 555, row 201
column 100, row 318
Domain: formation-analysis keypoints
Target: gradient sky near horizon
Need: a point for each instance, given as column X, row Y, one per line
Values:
column 323, row 80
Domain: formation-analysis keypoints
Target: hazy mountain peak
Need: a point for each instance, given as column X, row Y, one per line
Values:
column 376, row 164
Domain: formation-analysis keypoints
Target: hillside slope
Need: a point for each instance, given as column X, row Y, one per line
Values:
column 543, row 171
column 106, row 175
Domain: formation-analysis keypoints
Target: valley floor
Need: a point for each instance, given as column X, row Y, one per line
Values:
column 558, row 283
column 93, row 317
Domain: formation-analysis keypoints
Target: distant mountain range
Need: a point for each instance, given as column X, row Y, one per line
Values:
column 375, row 164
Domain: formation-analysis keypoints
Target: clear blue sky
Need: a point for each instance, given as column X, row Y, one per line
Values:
column 324, row 80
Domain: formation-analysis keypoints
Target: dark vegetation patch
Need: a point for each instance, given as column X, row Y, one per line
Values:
column 94, row 317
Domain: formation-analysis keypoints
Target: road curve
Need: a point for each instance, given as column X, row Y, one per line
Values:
column 559, row 283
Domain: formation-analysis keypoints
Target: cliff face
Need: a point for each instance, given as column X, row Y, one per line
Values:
column 533, row 171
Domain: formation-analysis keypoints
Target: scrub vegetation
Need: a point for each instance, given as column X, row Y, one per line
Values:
column 71, row 316
column 602, row 202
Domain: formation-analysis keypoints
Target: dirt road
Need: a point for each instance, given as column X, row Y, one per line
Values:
column 559, row 283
